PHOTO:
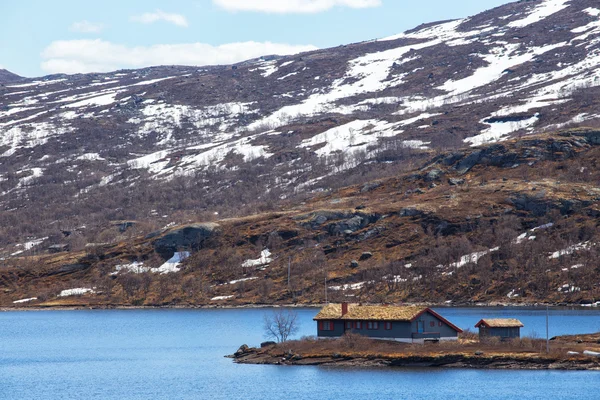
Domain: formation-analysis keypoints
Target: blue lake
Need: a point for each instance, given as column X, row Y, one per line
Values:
column 178, row 354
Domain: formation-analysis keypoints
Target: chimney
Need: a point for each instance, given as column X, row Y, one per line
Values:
column 344, row 308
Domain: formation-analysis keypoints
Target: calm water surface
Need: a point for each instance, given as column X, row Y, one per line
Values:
column 178, row 354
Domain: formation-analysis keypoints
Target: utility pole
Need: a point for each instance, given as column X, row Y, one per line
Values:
column 289, row 270
column 326, row 302
column 547, row 336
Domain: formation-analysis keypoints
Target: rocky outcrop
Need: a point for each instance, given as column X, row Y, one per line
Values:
column 190, row 238
column 450, row 360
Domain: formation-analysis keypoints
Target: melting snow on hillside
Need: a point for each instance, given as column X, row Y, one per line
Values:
column 264, row 259
column 172, row 265
column 353, row 136
column 222, row 298
column 540, row 12
column 24, row 300
column 75, row 292
column 571, row 249
column 499, row 130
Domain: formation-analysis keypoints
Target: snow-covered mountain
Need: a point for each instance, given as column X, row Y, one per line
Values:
column 154, row 142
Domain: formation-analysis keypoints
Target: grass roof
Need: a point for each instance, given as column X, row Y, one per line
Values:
column 500, row 323
column 369, row 313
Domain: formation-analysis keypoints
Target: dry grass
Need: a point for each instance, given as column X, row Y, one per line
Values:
column 353, row 345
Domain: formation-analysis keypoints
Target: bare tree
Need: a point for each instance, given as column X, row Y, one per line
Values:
column 281, row 324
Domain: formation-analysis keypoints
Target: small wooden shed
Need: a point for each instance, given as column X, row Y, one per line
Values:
column 504, row 328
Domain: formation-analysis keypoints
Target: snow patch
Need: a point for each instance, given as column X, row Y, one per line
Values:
column 571, row 249
column 24, row 300
column 540, row 12
column 221, row 298
column 264, row 259
column 349, row 286
column 499, row 130
column 353, row 136
column 172, row 265
column 75, row 292
column 90, row 157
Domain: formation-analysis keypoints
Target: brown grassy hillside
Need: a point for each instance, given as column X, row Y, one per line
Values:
column 511, row 222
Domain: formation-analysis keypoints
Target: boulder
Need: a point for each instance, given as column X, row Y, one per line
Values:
column 268, row 343
column 410, row 212
column 370, row 186
column 433, row 175
column 455, row 181
column 242, row 350
column 352, row 224
column 190, row 238
column 354, row 264
column 464, row 165
column 365, row 256
column 58, row 248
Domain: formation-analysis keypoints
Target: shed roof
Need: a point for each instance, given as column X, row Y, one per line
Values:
column 500, row 323
column 377, row 313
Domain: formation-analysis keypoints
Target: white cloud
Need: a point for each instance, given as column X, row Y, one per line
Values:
column 160, row 15
column 292, row 6
column 81, row 56
column 86, row 27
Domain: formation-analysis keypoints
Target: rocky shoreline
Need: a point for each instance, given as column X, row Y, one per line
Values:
column 250, row 355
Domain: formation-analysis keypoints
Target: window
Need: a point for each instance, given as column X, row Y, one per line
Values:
column 358, row 325
column 372, row 325
column 349, row 324
column 326, row 325
column 432, row 324
column 439, row 323
column 388, row 326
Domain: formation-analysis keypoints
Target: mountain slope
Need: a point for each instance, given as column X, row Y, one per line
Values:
column 8, row 77
column 490, row 224
column 108, row 158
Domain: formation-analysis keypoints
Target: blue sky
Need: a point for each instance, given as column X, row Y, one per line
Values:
column 40, row 37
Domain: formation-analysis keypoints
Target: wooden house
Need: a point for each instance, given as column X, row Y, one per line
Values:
column 504, row 328
column 404, row 324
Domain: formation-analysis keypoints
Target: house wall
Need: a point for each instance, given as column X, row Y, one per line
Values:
column 338, row 330
column 445, row 331
column 504, row 333
column 400, row 330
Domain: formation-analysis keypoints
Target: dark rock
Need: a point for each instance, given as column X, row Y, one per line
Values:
column 479, row 353
column 354, row 264
column 361, row 207
column 370, row 232
column 353, row 224
column 191, row 238
column 71, row 268
column 433, row 175
column 241, row 351
column 267, row 344
column 527, row 203
column 370, row 186
column 365, row 256
column 465, row 165
column 455, row 181
column 410, row 212
column 452, row 158
column 58, row 248
column 123, row 226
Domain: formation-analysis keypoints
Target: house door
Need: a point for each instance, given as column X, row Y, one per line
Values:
column 420, row 326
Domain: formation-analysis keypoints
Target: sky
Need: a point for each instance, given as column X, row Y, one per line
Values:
column 42, row 37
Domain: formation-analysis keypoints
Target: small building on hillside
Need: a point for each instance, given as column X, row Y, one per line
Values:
column 403, row 324
column 504, row 328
